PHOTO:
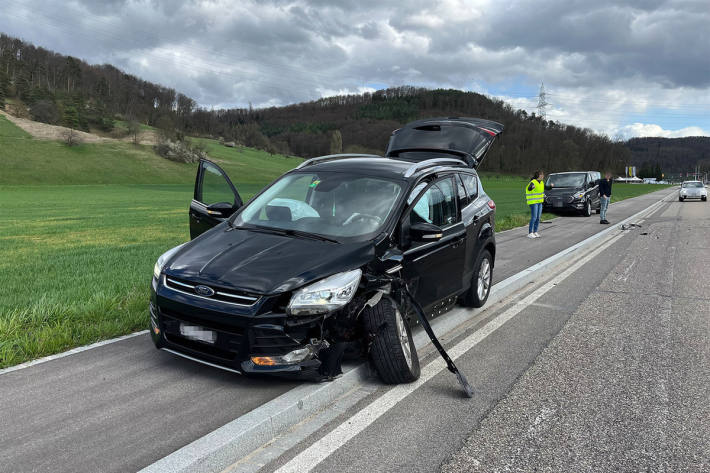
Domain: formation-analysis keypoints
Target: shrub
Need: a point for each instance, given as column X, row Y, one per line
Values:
column 180, row 151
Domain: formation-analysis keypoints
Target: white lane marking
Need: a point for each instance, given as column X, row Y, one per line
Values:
column 38, row 361
column 323, row 448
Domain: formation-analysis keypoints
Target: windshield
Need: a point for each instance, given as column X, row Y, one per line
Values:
column 693, row 184
column 331, row 204
column 566, row 180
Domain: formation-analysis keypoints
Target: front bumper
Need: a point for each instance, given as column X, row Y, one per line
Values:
column 562, row 204
column 236, row 335
column 694, row 196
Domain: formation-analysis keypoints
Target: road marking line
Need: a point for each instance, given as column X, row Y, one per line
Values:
column 38, row 361
column 323, row 448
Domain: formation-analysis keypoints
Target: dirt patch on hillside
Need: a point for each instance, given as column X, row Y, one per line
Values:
column 44, row 131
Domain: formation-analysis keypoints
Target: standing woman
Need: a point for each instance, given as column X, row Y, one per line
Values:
column 535, row 195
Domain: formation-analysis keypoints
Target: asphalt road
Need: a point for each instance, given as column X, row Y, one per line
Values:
column 125, row 405
column 607, row 371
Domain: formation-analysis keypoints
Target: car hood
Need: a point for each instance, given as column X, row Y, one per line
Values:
column 263, row 263
column 560, row 191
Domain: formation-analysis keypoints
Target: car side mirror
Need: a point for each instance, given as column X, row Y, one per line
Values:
column 425, row 232
column 220, row 209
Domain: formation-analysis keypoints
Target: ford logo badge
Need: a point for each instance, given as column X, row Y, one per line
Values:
column 204, row 291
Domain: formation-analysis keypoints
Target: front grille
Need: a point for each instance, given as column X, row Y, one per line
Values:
column 228, row 345
column 223, row 295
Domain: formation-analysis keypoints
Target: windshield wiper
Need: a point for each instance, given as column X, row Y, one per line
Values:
column 291, row 232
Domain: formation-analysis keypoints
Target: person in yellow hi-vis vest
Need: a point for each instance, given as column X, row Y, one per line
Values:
column 535, row 195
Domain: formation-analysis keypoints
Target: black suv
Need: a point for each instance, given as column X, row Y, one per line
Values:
column 305, row 271
column 572, row 191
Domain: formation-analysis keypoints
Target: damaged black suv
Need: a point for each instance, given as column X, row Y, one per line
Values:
column 318, row 263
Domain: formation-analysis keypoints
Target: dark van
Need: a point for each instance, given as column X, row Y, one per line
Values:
column 576, row 191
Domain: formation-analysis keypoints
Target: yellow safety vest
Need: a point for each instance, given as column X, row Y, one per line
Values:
column 537, row 195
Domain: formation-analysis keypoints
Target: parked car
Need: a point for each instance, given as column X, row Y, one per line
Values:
column 572, row 191
column 692, row 190
column 286, row 282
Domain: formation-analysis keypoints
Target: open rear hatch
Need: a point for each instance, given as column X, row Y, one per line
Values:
column 468, row 139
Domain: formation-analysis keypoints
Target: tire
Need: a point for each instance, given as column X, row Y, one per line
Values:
column 392, row 351
column 680, row 199
column 477, row 296
column 588, row 209
column 704, row 199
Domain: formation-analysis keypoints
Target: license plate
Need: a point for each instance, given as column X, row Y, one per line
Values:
column 557, row 203
column 193, row 332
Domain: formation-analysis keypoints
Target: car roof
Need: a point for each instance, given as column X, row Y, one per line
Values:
column 569, row 172
column 381, row 166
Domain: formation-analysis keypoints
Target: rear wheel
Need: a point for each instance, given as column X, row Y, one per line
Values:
column 477, row 294
column 392, row 350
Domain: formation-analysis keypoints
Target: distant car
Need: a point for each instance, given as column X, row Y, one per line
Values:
column 572, row 191
column 692, row 190
column 283, row 283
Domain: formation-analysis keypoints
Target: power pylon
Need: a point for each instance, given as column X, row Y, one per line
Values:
column 542, row 102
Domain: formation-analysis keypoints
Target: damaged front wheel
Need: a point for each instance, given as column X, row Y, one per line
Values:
column 392, row 351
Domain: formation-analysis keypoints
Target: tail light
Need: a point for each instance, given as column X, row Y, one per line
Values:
column 492, row 205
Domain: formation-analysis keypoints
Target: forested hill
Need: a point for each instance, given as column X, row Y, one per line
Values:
column 673, row 154
column 64, row 90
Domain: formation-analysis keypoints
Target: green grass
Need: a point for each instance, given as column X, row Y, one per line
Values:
column 81, row 227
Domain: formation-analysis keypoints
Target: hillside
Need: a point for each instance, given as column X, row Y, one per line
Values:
column 30, row 161
column 675, row 155
column 63, row 90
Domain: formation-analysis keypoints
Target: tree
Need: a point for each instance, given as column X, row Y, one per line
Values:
column 134, row 131
column 71, row 137
column 3, row 88
column 71, row 117
column 45, row 111
column 336, row 142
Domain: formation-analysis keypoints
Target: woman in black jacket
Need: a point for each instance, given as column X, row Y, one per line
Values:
column 604, row 196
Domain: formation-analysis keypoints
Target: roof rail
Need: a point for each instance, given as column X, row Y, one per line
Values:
column 430, row 163
column 334, row 157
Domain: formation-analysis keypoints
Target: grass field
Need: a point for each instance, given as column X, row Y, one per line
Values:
column 80, row 229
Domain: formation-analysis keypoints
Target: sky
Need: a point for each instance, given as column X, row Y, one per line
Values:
column 634, row 68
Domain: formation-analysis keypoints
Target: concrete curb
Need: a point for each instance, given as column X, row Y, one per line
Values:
column 217, row 450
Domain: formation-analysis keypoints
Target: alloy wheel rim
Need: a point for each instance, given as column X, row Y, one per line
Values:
column 484, row 279
column 403, row 338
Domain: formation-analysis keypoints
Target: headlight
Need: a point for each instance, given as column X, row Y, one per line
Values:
column 162, row 259
column 578, row 195
column 326, row 295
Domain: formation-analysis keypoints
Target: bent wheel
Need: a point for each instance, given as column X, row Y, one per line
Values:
column 392, row 351
column 477, row 294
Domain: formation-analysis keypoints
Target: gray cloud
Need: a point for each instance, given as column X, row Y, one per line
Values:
column 230, row 53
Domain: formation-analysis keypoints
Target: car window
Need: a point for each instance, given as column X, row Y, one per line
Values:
column 566, row 180
column 461, row 190
column 471, row 183
column 437, row 205
column 331, row 204
column 215, row 187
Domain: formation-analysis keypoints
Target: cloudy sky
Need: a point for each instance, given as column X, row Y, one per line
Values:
column 634, row 68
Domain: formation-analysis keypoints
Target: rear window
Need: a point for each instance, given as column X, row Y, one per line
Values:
column 471, row 183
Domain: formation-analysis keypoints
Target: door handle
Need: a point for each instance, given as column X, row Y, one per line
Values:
column 456, row 242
